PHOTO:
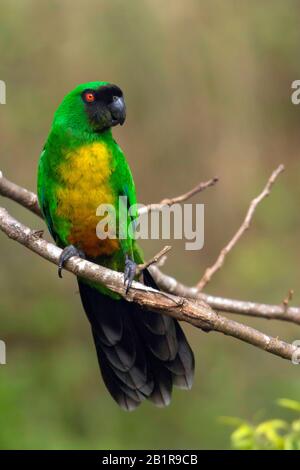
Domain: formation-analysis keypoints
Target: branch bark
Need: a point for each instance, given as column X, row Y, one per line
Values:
column 199, row 314
column 178, row 199
column 223, row 304
column 206, row 278
column 20, row 195
column 154, row 260
column 169, row 284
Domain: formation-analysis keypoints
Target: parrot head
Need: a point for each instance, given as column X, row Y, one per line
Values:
column 92, row 107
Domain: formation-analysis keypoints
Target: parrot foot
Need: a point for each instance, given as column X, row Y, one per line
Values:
column 129, row 272
column 67, row 253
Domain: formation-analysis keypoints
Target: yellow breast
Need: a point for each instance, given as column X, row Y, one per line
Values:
column 85, row 174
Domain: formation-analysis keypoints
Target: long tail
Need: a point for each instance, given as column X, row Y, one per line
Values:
column 141, row 354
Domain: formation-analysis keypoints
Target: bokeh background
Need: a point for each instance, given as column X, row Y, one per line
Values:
column 208, row 86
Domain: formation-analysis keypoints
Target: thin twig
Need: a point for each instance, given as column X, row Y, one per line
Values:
column 223, row 304
column 29, row 200
column 199, row 314
column 183, row 197
column 154, row 260
column 245, row 225
column 288, row 298
column 171, row 285
column 20, row 195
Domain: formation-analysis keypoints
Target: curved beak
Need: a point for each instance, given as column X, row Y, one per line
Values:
column 118, row 111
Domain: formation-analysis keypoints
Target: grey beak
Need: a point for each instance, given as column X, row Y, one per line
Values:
column 118, row 110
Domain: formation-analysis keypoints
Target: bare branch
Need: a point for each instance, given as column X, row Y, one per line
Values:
column 29, row 200
column 245, row 225
column 171, row 285
column 161, row 254
column 20, row 195
column 199, row 314
column 288, row 298
column 183, row 197
column 222, row 304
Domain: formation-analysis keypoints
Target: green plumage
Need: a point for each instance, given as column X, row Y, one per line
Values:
column 71, row 130
column 141, row 354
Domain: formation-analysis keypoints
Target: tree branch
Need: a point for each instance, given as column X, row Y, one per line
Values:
column 154, row 260
column 183, row 197
column 199, row 314
column 169, row 284
column 288, row 298
column 20, row 195
column 245, row 225
column 29, row 200
column 222, row 304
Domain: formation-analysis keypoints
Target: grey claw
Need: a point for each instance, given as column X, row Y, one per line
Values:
column 67, row 253
column 129, row 272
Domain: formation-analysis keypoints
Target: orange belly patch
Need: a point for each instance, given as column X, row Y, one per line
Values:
column 84, row 175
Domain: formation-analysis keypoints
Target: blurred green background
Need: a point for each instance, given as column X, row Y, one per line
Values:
column 207, row 86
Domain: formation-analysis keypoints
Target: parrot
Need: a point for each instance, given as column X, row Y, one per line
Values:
column 141, row 354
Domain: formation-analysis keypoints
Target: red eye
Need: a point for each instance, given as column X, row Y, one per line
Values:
column 89, row 97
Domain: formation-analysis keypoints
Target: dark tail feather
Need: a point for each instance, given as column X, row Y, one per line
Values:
column 182, row 363
column 120, row 352
column 141, row 354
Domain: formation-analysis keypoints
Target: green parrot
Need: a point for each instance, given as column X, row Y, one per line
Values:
column 141, row 354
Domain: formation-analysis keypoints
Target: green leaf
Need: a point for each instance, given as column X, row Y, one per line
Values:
column 292, row 442
column 243, row 437
column 270, row 432
column 290, row 404
column 296, row 425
